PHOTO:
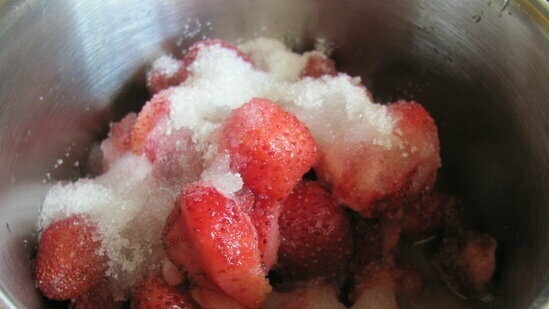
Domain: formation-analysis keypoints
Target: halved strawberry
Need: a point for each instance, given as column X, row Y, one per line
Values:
column 68, row 263
column 316, row 235
column 269, row 147
column 377, row 179
column 150, row 115
column 318, row 65
column 154, row 292
column 176, row 242
column 264, row 216
column 467, row 262
column 119, row 140
column 195, row 49
column 167, row 71
column 314, row 294
column 225, row 241
column 422, row 218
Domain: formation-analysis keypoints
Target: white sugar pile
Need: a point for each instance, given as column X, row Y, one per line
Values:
column 130, row 205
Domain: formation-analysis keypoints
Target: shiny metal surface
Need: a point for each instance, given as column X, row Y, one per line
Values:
column 480, row 66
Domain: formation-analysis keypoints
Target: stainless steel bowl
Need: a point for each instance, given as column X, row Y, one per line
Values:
column 480, row 66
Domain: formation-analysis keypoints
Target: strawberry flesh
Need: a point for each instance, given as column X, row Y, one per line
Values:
column 225, row 241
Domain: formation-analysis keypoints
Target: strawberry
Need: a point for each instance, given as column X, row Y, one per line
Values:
column 225, row 240
column 195, row 49
column 185, row 257
column 68, row 263
column 269, row 147
column 377, row 290
column 422, row 218
column 210, row 296
column 377, row 180
column 316, row 236
column 318, row 65
column 175, row 241
column 98, row 297
column 314, row 294
column 153, row 292
column 167, row 71
column 150, row 115
column 264, row 216
column 119, row 139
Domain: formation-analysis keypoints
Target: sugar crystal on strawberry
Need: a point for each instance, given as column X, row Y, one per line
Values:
column 204, row 189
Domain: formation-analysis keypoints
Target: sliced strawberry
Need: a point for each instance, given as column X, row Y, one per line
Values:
column 225, row 241
column 98, row 297
column 175, row 241
column 210, row 296
column 174, row 157
column 313, row 295
column 377, row 290
column 165, row 72
column 154, row 292
column 195, row 49
column 68, row 263
column 118, row 141
column 318, row 65
column 264, row 216
column 377, row 180
column 269, row 147
column 316, row 235
column 150, row 115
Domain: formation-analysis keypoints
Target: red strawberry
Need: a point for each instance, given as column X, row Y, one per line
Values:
column 264, row 216
column 150, row 115
column 377, row 180
column 153, row 292
column 225, row 241
column 98, row 297
column 119, row 139
column 318, row 65
column 68, row 263
column 172, row 72
column 316, row 236
column 269, row 147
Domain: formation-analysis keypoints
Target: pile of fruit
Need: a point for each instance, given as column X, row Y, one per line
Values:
column 256, row 177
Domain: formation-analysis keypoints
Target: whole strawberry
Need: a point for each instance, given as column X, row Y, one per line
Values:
column 316, row 236
column 269, row 147
column 68, row 263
